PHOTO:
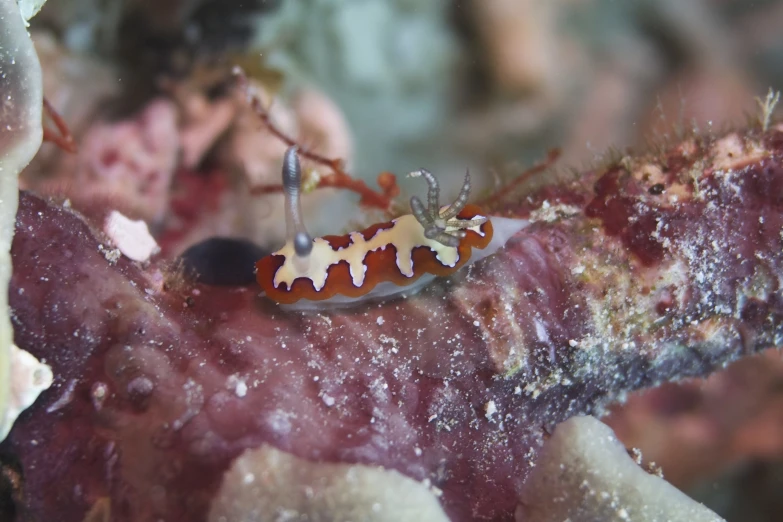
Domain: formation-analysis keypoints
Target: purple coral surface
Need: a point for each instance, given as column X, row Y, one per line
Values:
column 655, row 268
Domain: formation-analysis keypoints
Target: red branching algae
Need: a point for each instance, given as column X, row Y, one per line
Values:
column 338, row 177
column 613, row 288
column 62, row 137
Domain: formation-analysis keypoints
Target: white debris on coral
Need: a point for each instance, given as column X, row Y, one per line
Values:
column 584, row 473
column 132, row 238
column 490, row 409
column 29, row 377
column 267, row 484
column 237, row 384
column 112, row 255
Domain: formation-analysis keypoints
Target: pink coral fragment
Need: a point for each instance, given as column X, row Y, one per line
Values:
column 131, row 162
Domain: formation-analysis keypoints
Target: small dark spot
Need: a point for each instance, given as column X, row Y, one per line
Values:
column 222, row 261
column 189, row 301
column 656, row 189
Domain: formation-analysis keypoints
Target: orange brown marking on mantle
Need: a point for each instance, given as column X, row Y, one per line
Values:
column 382, row 250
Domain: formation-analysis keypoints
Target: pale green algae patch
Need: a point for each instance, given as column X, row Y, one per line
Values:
column 20, row 137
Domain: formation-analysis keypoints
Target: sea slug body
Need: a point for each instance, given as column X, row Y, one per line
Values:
column 382, row 261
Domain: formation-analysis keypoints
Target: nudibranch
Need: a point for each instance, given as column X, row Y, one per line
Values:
column 382, row 261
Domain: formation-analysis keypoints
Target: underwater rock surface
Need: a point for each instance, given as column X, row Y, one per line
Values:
column 654, row 268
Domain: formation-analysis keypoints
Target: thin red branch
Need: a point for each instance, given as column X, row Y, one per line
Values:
column 552, row 156
column 338, row 178
column 62, row 137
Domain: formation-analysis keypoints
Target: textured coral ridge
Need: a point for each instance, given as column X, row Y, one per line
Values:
column 650, row 270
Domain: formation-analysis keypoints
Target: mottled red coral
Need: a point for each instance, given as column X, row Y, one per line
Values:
column 617, row 285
